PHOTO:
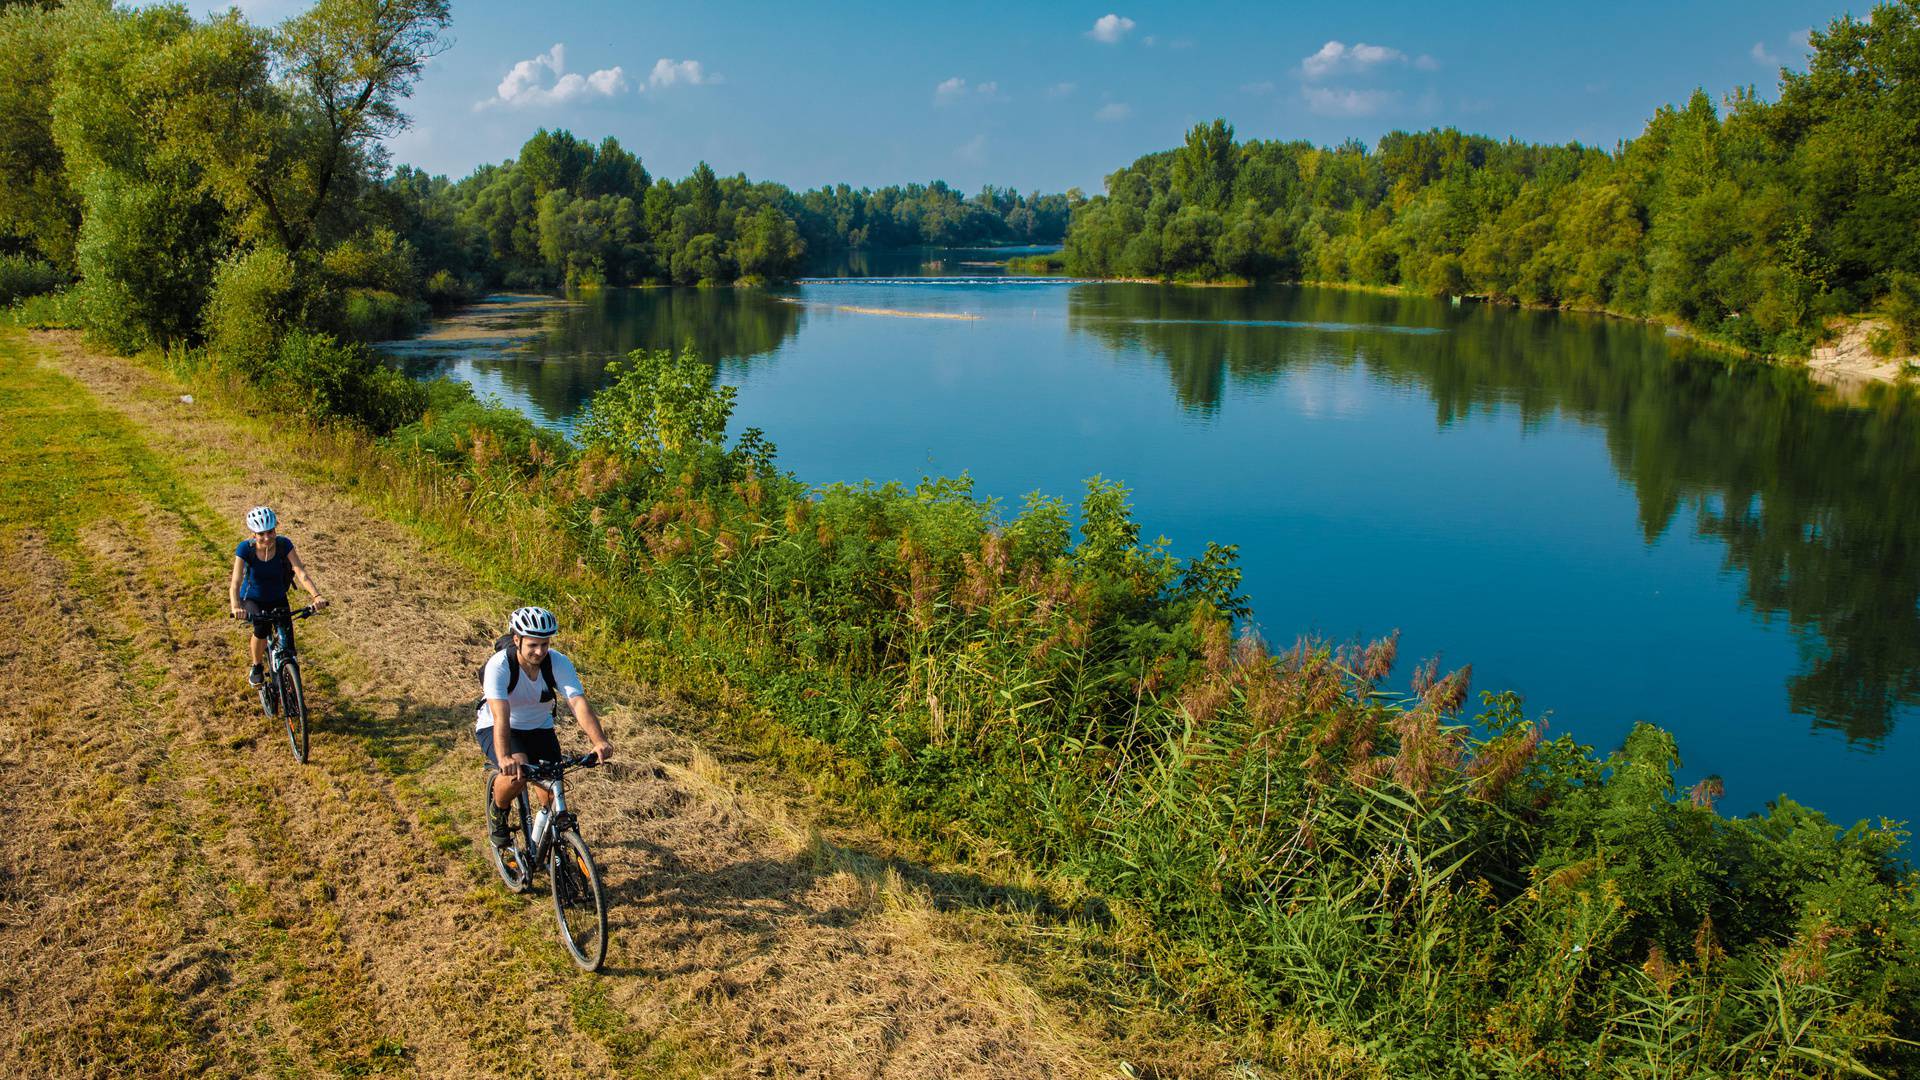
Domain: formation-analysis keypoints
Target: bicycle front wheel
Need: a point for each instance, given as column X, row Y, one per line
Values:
column 577, row 901
column 293, row 709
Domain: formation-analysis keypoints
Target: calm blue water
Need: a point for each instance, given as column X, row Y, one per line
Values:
column 1617, row 531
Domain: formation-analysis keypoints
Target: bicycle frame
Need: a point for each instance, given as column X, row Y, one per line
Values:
column 558, row 819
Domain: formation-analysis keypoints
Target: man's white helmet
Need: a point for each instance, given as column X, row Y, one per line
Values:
column 261, row 519
column 533, row 622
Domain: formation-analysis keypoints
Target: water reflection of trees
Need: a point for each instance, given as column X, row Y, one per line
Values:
column 1816, row 499
column 578, row 342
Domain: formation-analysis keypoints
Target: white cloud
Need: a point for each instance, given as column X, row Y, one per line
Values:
column 1109, row 29
column 974, row 151
column 1113, row 112
column 1336, row 57
column 1426, row 63
column 525, row 83
column 680, row 72
column 1062, row 89
column 957, row 89
column 1329, row 102
column 1800, row 42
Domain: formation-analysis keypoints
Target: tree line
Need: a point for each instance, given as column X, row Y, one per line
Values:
column 216, row 180
column 1753, row 221
column 565, row 211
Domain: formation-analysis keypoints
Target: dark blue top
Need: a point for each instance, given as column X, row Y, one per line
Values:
column 267, row 580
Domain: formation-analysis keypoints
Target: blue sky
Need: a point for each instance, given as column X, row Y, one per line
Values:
column 1050, row 96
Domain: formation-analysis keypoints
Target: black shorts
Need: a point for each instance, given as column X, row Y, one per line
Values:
column 261, row 630
column 539, row 744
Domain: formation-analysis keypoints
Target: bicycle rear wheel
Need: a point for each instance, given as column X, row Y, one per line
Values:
column 514, row 863
column 293, row 709
column 577, row 901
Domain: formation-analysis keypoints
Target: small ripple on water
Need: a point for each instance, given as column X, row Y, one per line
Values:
column 995, row 279
column 1288, row 324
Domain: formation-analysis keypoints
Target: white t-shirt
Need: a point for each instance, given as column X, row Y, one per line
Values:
column 525, row 710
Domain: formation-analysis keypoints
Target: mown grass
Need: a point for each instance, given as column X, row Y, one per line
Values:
column 187, row 848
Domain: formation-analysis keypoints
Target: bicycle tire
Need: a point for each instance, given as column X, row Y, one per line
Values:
column 293, row 709
column 578, row 903
column 513, row 863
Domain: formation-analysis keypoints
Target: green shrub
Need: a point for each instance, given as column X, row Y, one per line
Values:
column 445, row 292
column 1902, row 308
column 453, row 425
column 378, row 315
column 22, row 277
column 256, row 300
column 322, row 379
column 377, row 260
column 61, row 310
column 1047, row 263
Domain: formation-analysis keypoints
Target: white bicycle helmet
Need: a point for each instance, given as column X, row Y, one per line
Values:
column 260, row 519
column 533, row 622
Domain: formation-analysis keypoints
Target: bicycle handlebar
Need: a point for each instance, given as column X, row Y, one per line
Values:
column 553, row 770
column 280, row 613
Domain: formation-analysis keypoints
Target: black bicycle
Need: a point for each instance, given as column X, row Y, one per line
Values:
column 281, row 693
column 552, row 837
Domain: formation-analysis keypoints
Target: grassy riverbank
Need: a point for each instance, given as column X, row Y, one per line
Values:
column 1277, row 839
column 200, row 905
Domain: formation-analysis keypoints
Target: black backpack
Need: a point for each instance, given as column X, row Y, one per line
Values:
column 505, row 645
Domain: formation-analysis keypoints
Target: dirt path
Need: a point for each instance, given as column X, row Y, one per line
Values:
column 199, row 904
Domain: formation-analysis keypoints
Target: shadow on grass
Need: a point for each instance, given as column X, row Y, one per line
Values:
column 747, row 901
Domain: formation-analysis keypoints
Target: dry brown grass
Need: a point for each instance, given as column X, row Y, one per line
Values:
column 199, row 903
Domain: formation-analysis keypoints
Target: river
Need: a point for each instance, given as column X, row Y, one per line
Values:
column 1589, row 511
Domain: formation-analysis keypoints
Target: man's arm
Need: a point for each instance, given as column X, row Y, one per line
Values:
column 590, row 724
column 503, row 739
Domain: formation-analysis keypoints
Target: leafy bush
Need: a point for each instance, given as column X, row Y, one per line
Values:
column 256, row 300
column 458, row 428
column 377, row 260
column 445, row 292
column 322, row 379
column 22, row 277
column 377, row 315
column 63, row 310
column 1902, row 308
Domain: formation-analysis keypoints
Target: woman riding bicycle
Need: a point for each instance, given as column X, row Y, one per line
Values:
column 264, row 565
column 523, row 683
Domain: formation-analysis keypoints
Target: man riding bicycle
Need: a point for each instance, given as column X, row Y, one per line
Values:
column 523, row 684
column 264, row 565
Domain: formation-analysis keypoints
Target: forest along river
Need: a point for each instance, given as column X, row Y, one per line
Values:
column 1590, row 513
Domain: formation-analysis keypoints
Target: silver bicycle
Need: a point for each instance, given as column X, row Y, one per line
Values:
column 551, row 838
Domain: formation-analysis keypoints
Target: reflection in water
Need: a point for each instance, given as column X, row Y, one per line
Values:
column 559, row 367
column 1816, row 500
column 919, row 261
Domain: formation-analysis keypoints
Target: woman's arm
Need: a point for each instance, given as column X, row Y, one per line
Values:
column 300, row 575
column 233, row 587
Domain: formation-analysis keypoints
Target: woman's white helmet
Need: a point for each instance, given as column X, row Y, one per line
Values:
column 533, row 622
column 261, row 519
